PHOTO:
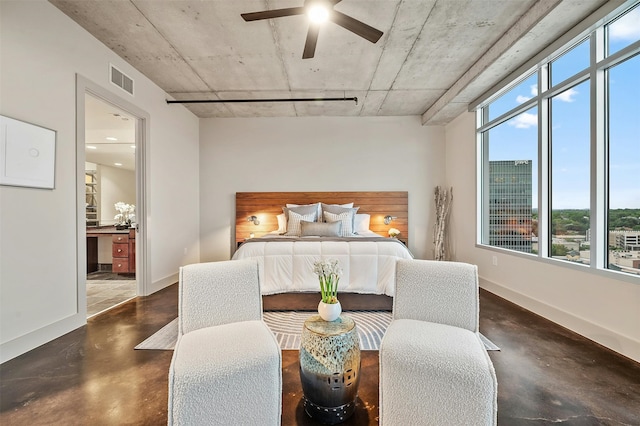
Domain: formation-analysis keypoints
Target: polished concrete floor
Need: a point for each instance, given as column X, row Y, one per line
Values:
column 92, row 376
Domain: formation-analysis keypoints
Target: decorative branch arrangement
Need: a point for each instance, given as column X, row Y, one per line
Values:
column 443, row 199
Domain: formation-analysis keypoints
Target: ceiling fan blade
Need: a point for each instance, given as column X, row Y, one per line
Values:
column 312, row 40
column 360, row 28
column 275, row 13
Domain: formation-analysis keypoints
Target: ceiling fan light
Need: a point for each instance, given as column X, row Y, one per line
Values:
column 318, row 13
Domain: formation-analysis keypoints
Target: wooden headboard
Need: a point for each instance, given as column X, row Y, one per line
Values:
column 267, row 205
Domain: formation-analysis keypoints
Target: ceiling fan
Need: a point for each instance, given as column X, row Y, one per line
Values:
column 318, row 12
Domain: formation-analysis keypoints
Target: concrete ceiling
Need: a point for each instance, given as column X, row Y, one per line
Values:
column 434, row 58
column 110, row 135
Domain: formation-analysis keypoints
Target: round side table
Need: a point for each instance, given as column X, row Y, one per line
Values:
column 330, row 368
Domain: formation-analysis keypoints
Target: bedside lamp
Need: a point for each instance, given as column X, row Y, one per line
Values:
column 388, row 219
column 253, row 219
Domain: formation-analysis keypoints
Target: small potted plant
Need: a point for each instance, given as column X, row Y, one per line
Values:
column 126, row 215
column 328, row 272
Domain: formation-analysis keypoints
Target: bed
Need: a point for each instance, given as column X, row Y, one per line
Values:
column 347, row 226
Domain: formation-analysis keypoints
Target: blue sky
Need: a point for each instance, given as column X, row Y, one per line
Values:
column 570, row 133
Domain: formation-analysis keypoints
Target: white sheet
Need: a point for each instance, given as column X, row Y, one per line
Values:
column 286, row 265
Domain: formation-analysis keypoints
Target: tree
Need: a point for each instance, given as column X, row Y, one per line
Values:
column 558, row 250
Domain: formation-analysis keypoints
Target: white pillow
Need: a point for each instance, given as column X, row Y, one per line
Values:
column 347, row 222
column 348, row 205
column 361, row 223
column 282, row 223
column 293, row 224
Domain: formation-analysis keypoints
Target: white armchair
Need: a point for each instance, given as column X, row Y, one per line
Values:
column 434, row 369
column 227, row 365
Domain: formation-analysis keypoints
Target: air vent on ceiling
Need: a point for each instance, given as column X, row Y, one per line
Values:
column 121, row 80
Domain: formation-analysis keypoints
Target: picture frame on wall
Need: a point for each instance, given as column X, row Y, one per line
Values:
column 27, row 154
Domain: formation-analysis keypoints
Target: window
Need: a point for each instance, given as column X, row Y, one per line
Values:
column 559, row 151
column 570, row 174
column 623, row 228
column 623, row 31
column 524, row 91
column 570, row 63
column 513, row 154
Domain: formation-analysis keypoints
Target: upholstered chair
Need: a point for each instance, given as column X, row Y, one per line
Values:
column 227, row 365
column 434, row 369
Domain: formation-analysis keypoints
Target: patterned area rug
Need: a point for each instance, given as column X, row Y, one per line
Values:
column 287, row 327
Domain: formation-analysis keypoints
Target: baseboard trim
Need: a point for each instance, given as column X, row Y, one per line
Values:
column 624, row 345
column 29, row 341
column 162, row 283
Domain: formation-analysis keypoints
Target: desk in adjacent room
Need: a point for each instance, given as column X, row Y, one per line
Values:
column 123, row 248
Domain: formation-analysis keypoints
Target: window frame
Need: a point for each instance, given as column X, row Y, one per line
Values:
column 597, row 73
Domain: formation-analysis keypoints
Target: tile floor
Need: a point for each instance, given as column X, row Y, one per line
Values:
column 105, row 290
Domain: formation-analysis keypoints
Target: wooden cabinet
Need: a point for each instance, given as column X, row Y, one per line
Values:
column 123, row 249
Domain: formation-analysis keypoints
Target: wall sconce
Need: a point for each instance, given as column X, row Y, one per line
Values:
column 388, row 219
column 253, row 219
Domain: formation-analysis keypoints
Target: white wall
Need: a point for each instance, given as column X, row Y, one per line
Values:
column 316, row 154
column 115, row 185
column 602, row 308
column 41, row 51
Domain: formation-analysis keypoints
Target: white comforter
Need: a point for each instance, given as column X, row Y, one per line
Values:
column 286, row 264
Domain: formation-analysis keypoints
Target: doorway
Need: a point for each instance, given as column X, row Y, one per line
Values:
column 110, row 199
column 96, row 198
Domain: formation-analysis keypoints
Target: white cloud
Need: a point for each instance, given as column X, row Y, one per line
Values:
column 520, row 99
column 524, row 121
column 627, row 27
column 567, row 95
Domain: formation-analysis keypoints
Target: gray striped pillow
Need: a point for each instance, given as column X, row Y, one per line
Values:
column 305, row 209
column 347, row 222
column 293, row 224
